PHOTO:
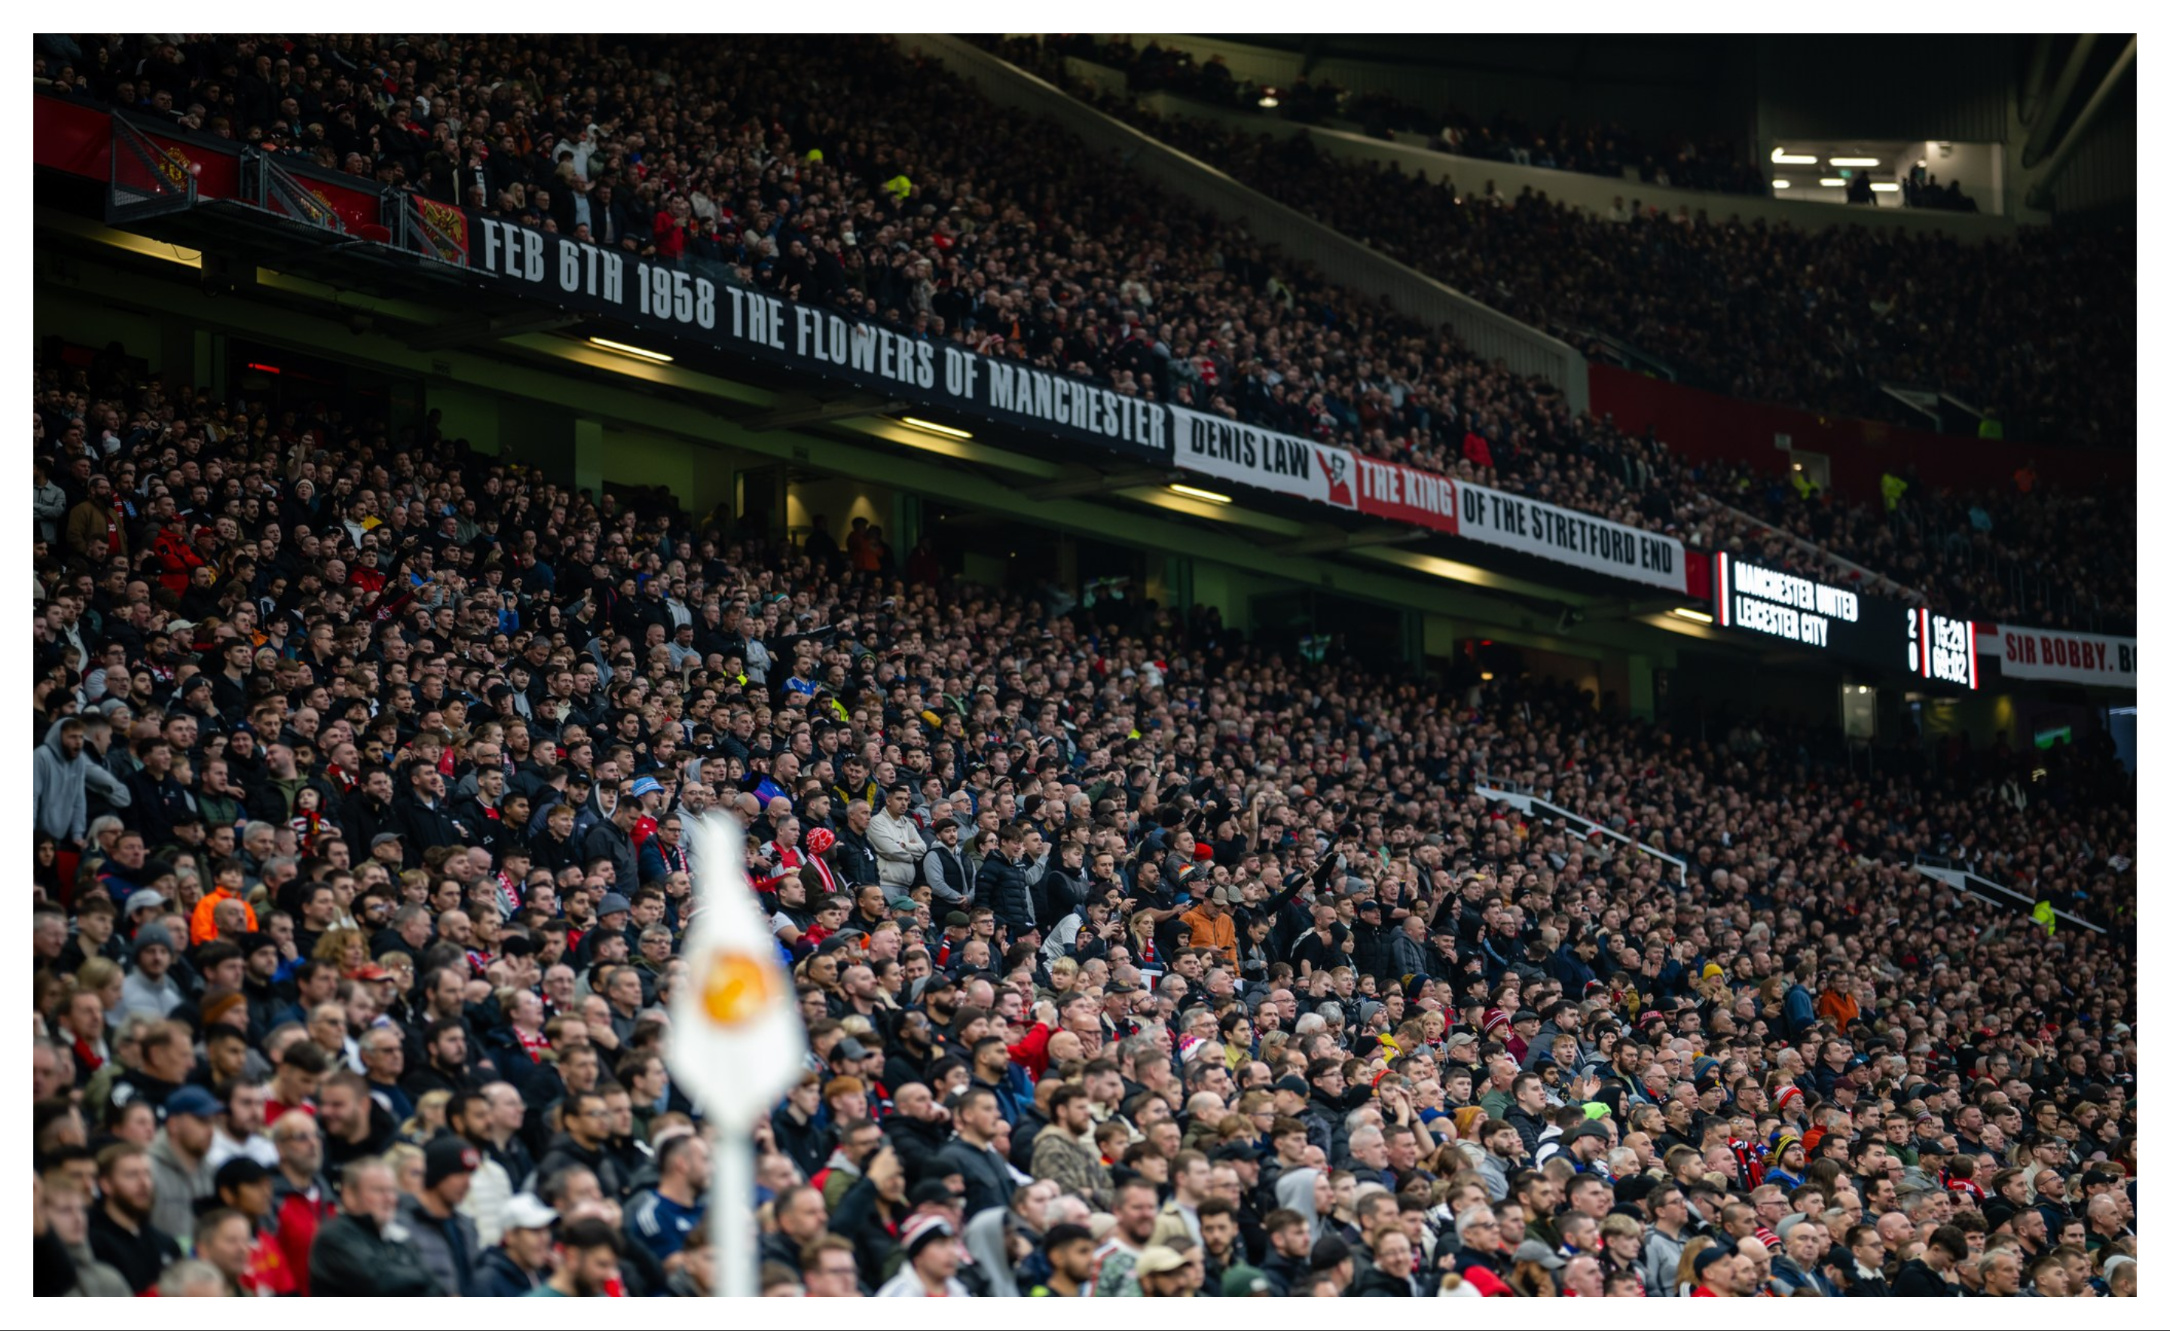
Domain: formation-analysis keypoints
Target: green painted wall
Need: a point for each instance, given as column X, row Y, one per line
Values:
column 697, row 477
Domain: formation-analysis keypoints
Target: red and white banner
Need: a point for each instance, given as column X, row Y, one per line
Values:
column 1232, row 451
column 2061, row 655
column 1404, row 494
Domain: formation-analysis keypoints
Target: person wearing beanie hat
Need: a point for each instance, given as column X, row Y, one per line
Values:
column 223, row 1005
column 1242, row 1281
column 443, row 1237
column 1788, row 1167
column 150, row 989
column 931, row 1257
column 1330, row 1255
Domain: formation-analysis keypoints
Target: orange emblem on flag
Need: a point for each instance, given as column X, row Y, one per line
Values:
column 736, row 988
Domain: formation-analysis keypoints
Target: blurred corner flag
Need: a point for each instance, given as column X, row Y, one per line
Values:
column 736, row 1041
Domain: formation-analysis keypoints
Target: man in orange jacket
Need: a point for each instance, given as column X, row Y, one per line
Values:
column 225, row 885
column 1211, row 926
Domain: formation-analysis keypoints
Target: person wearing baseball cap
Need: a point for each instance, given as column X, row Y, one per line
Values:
column 179, row 1169
column 244, row 1185
column 521, row 1261
column 445, row 1238
column 1714, row 1273
column 649, row 797
column 1164, row 1273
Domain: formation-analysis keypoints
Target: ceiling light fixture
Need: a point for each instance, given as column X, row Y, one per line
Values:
column 1833, row 182
column 946, row 431
column 1781, row 184
column 1784, row 158
column 1856, row 161
column 1684, row 612
column 626, row 349
column 1884, row 186
column 1193, row 492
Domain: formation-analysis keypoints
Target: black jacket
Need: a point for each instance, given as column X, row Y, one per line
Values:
column 808, row 1144
column 425, row 825
column 352, row 1257
column 854, row 859
column 565, row 1152
column 1282, row 1272
column 1918, row 1280
column 139, row 1257
column 1374, row 954
column 1003, row 890
column 917, row 1144
column 987, row 1181
column 1057, row 896
column 859, row 1217
column 1377, row 1284
column 1531, row 1128
column 497, row 1276
column 607, row 840
column 383, row 1132
column 365, row 819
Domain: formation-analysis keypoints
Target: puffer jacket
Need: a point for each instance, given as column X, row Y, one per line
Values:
column 1004, row 890
column 448, row 1247
column 354, row 1257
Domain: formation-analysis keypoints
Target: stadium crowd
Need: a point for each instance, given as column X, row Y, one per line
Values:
column 1134, row 960
column 896, row 192
column 2040, row 330
column 1600, row 150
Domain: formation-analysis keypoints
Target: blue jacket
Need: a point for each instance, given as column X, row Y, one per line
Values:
column 1573, row 975
column 1800, row 1011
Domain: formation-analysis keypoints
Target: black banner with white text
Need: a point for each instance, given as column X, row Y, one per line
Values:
column 941, row 376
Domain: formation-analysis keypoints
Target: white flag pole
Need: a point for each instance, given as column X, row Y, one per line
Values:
column 730, row 1209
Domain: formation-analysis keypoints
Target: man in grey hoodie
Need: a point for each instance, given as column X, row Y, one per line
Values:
column 60, row 775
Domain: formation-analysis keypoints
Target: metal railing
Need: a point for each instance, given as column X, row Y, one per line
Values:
column 1524, row 800
column 1870, row 578
column 1955, row 874
column 144, row 179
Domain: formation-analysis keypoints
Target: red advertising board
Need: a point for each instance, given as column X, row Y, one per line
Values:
column 77, row 137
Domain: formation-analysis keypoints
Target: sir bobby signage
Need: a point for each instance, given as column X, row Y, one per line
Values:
column 2062, row 655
